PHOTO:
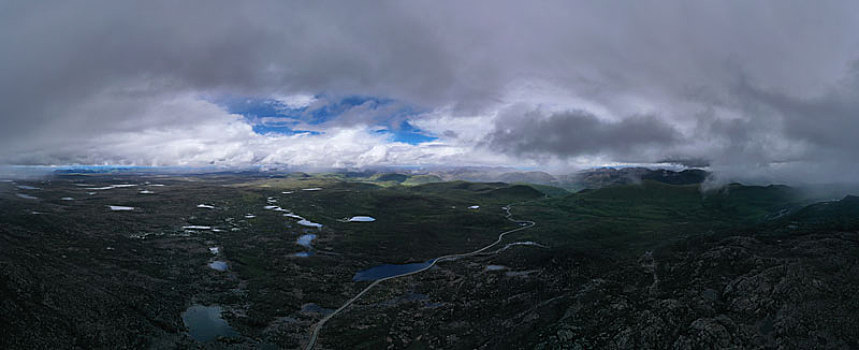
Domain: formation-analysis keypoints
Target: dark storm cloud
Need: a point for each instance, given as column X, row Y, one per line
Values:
column 794, row 138
column 827, row 121
column 576, row 133
column 739, row 84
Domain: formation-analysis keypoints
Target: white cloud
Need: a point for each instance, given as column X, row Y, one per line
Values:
column 746, row 85
column 188, row 131
column 296, row 101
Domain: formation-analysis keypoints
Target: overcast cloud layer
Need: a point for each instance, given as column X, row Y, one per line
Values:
column 758, row 89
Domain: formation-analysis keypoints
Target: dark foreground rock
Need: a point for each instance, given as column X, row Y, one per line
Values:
column 740, row 292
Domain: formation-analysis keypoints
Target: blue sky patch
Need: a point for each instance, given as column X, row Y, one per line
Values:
column 269, row 116
column 334, row 109
column 265, row 129
column 265, row 115
column 407, row 133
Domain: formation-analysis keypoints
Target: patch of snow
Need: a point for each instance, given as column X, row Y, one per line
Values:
column 146, row 192
column 67, row 199
column 111, row 187
column 312, row 189
column 120, row 208
column 305, row 240
column 25, row 187
column 219, row 265
column 205, row 206
column 144, row 234
column 287, row 192
column 250, row 216
column 214, row 250
column 25, row 196
column 495, row 267
column 362, row 219
column 308, row 223
column 474, row 207
column 291, row 215
column 196, row 227
column 274, row 207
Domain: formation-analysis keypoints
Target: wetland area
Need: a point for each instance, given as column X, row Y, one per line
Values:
column 324, row 262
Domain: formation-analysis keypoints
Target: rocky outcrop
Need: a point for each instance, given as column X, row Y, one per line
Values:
column 736, row 293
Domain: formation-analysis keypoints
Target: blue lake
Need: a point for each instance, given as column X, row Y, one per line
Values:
column 389, row 270
column 205, row 323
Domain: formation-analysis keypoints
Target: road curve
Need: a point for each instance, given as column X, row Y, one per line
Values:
column 526, row 224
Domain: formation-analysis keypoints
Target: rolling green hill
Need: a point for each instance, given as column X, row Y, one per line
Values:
column 650, row 212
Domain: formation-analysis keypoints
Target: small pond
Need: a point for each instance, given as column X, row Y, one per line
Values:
column 205, row 323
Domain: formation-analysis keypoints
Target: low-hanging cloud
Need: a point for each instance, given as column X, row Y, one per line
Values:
column 577, row 133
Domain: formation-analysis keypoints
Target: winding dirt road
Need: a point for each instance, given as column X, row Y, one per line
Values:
column 525, row 224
